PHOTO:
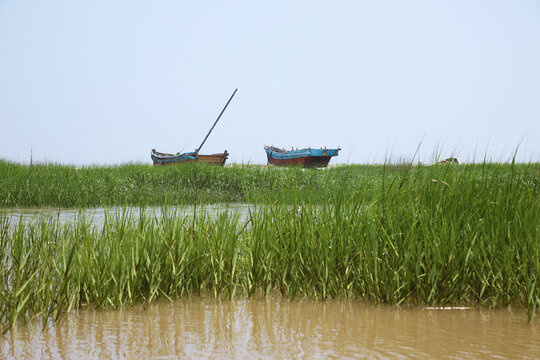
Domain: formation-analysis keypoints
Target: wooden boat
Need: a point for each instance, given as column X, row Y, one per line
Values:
column 304, row 157
column 450, row 160
column 169, row 159
column 160, row 158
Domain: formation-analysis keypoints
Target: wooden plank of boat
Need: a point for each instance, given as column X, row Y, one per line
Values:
column 300, row 157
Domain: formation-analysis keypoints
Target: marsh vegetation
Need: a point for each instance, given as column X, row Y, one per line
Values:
column 428, row 235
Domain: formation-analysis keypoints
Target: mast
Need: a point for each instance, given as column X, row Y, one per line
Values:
column 212, row 128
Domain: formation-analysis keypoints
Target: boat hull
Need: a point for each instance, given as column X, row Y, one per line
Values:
column 304, row 157
column 184, row 158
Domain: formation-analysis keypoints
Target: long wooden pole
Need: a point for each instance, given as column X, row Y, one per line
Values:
column 212, row 128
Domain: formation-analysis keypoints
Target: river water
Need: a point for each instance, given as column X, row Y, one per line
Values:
column 277, row 328
column 97, row 216
column 271, row 327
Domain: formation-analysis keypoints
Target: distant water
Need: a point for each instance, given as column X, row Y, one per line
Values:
column 97, row 216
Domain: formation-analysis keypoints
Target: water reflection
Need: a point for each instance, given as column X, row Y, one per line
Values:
column 97, row 216
column 274, row 327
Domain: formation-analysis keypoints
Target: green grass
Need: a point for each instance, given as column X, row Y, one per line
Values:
column 438, row 235
column 138, row 185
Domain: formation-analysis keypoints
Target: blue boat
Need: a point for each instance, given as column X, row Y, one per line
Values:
column 304, row 157
column 169, row 159
column 159, row 158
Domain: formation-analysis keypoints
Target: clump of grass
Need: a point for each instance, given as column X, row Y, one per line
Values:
column 55, row 185
column 438, row 235
column 132, row 184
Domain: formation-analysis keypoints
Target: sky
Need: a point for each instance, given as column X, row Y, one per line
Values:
column 104, row 82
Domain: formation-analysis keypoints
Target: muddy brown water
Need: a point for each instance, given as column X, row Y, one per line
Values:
column 277, row 328
column 271, row 327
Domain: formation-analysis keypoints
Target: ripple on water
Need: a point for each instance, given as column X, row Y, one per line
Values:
column 275, row 327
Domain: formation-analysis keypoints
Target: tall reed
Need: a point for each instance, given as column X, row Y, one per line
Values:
column 55, row 185
column 439, row 235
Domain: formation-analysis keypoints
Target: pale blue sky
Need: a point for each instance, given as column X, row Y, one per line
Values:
column 104, row 82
